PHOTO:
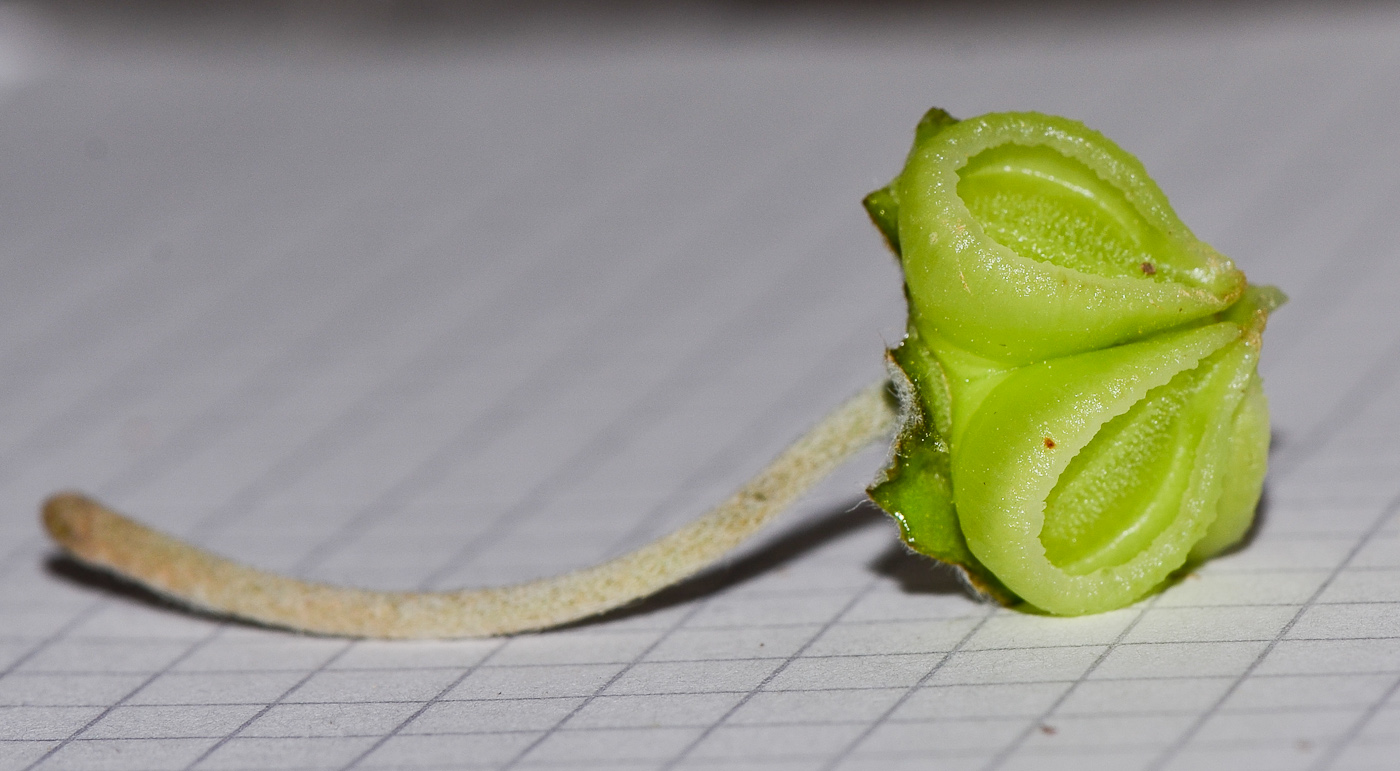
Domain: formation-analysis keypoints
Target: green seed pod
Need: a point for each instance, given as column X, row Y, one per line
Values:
column 1082, row 413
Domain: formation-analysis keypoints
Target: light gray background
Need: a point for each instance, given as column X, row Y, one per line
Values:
column 407, row 295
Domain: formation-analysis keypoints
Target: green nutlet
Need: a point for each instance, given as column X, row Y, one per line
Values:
column 1082, row 414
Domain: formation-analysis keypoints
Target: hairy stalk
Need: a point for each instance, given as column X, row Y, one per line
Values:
column 189, row 575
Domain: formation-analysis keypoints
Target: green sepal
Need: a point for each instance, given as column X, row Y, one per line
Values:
column 915, row 488
column 1247, row 459
column 882, row 205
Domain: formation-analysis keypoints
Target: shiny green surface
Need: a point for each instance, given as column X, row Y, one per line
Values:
column 1083, row 414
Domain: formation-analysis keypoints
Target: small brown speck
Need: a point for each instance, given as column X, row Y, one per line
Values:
column 1303, row 745
column 1148, row 269
column 1049, row 443
column 1048, row 730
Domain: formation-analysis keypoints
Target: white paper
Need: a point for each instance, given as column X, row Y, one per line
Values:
column 438, row 305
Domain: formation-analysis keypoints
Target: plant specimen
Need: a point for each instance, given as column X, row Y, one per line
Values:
column 1077, row 402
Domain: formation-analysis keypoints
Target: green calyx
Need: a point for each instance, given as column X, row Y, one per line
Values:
column 1082, row 410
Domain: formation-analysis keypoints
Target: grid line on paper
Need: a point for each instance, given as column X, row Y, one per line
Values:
column 217, row 416
column 1337, row 702
column 851, row 746
column 1175, row 748
column 63, row 631
column 1368, row 709
column 647, row 526
column 355, row 418
column 646, row 407
column 1369, row 387
column 226, row 738
column 190, row 651
column 767, row 679
column 424, row 707
column 430, row 357
column 33, row 444
column 1122, row 679
column 1333, row 752
column 1004, row 754
column 517, row 757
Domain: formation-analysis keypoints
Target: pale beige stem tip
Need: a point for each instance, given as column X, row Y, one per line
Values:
column 106, row 540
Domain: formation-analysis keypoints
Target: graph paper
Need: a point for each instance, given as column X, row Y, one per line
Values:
column 408, row 301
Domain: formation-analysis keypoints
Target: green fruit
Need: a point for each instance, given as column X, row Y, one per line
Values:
column 1082, row 410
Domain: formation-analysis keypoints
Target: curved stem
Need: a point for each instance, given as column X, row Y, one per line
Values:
column 187, row 574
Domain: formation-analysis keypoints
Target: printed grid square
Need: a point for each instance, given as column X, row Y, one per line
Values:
column 1306, row 657
column 415, row 654
column 1383, row 726
column 62, row 689
column 1183, row 659
column 1108, row 731
column 370, row 685
column 128, row 754
column 1366, row 756
column 183, row 722
column 533, row 682
column 741, row 611
column 1378, row 585
column 693, row 677
column 11, row 651
column 234, row 653
column 1187, row 695
column 937, row 739
column 669, row 710
column 811, row 574
column 493, row 716
column 889, row 761
column 117, row 656
column 1341, row 622
column 1269, row 693
column 1011, row 629
column 117, row 621
column 216, row 688
column 271, row 754
column 448, row 751
column 1312, row 727
column 1015, row 666
column 1051, row 759
column 767, row 764
column 730, row 742
column 19, row 755
column 329, row 720
column 40, row 622
column 777, row 642
column 41, row 723
column 1381, row 551
column 1245, row 758
column 853, row 672
column 984, row 700
column 894, row 604
column 774, row 707
column 1318, row 552
column 890, row 637
column 608, row 745
column 1163, row 625
column 1263, row 587
column 574, row 648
